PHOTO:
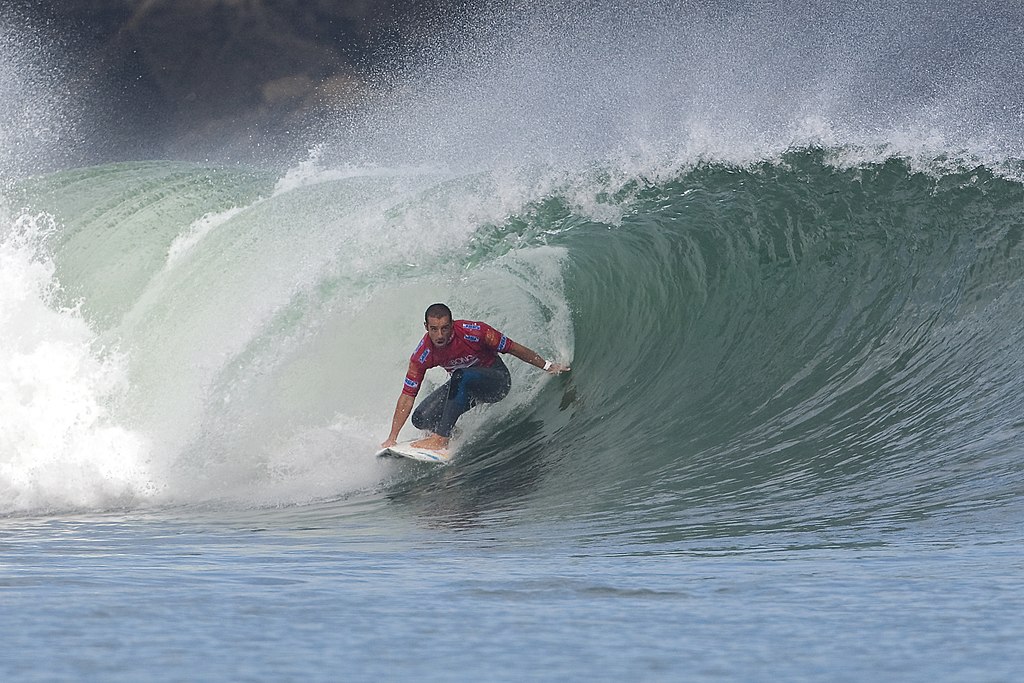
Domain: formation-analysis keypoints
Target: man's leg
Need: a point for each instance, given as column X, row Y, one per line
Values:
column 470, row 387
column 428, row 414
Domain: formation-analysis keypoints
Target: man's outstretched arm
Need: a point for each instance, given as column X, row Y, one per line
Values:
column 533, row 358
column 402, row 410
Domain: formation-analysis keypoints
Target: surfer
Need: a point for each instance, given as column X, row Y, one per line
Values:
column 469, row 352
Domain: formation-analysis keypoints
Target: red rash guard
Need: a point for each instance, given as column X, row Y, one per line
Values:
column 472, row 344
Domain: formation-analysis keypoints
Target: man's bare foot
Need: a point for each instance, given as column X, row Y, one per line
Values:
column 433, row 442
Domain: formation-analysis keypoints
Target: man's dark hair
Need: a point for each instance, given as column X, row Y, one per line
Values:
column 437, row 311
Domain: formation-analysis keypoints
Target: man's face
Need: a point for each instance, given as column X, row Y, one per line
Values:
column 440, row 330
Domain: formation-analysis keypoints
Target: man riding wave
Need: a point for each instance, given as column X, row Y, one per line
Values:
column 469, row 351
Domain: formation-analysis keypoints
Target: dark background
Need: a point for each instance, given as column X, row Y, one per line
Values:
column 230, row 79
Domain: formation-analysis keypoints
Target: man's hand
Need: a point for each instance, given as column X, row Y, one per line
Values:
column 557, row 369
column 388, row 442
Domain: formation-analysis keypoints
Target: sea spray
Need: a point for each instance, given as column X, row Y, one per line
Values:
column 59, row 447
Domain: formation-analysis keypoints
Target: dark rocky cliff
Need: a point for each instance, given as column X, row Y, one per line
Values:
column 176, row 76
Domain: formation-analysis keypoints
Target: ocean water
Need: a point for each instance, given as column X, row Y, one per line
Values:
column 781, row 247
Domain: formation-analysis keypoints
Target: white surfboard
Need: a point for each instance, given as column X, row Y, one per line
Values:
column 405, row 449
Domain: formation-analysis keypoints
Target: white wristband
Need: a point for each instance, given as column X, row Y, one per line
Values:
column 547, row 365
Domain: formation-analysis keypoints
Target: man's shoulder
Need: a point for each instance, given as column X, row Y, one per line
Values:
column 422, row 351
column 473, row 326
column 472, row 330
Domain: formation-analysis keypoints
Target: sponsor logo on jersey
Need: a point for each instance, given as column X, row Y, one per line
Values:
column 412, row 384
column 471, row 338
column 459, row 363
column 423, row 356
column 470, row 326
column 503, row 344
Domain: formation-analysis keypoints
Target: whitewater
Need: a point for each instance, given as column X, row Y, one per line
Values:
column 780, row 245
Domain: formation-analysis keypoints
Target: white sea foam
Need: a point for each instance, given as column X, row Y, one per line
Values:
column 59, row 446
column 197, row 231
